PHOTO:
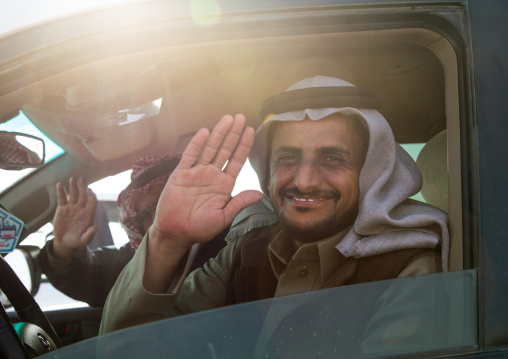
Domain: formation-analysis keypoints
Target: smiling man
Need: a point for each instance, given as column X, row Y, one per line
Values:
column 338, row 182
column 314, row 171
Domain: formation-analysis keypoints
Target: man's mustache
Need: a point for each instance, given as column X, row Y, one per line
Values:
column 294, row 192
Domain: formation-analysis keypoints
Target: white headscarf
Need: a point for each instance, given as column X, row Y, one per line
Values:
column 387, row 219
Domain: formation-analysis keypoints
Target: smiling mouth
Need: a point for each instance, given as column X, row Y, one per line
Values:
column 307, row 200
column 304, row 199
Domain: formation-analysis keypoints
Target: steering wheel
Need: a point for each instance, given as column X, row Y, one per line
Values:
column 35, row 331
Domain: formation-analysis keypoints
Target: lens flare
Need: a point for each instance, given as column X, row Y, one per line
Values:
column 205, row 12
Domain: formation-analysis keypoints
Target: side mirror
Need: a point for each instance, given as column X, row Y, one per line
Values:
column 19, row 151
column 23, row 260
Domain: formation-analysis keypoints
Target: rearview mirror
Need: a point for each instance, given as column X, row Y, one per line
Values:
column 19, row 151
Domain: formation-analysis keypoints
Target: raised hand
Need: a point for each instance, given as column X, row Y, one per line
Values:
column 196, row 203
column 73, row 222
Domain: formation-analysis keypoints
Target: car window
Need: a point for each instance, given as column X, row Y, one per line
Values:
column 424, row 314
column 414, row 150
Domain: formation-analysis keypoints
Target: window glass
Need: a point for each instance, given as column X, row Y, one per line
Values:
column 39, row 237
column 48, row 297
column 107, row 191
column 414, row 150
column 429, row 314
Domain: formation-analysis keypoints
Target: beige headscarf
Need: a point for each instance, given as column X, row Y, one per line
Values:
column 387, row 220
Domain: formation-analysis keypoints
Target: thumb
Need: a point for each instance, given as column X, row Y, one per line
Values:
column 239, row 202
column 87, row 236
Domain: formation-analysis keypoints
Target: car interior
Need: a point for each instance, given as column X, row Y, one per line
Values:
column 412, row 71
column 149, row 94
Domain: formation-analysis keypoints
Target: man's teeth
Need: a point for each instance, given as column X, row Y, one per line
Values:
column 304, row 199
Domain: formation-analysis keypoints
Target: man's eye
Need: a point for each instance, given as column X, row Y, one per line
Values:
column 286, row 158
column 334, row 159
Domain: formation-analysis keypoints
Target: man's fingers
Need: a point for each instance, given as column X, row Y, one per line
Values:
column 191, row 153
column 230, row 142
column 82, row 192
column 216, row 147
column 215, row 140
column 87, row 236
column 73, row 191
column 239, row 202
column 61, row 194
column 91, row 202
column 239, row 156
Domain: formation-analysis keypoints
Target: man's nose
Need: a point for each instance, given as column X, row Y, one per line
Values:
column 307, row 177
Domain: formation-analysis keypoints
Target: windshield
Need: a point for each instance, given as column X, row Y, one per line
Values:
column 22, row 124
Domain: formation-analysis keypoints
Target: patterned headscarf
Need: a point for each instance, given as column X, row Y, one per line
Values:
column 160, row 168
column 12, row 152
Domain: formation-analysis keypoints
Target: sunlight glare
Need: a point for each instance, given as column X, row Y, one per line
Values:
column 205, row 12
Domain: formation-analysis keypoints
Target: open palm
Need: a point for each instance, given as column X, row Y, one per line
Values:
column 73, row 222
column 196, row 203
